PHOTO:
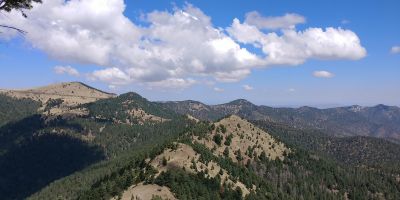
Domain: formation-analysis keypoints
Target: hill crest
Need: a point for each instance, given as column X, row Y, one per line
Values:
column 72, row 93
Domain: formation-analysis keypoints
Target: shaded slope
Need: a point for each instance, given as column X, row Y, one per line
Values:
column 28, row 162
column 12, row 109
column 40, row 149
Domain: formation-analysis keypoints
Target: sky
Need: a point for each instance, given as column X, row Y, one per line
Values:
column 276, row 53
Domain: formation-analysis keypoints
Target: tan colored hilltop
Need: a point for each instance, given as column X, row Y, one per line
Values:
column 185, row 157
column 72, row 94
column 247, row 141
column 252, row 142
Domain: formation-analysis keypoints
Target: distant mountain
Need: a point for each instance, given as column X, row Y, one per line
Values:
column 379, row 121
column 72, row 93
column 60, row 98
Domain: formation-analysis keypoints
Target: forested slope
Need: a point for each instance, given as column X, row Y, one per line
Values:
column 37, row 149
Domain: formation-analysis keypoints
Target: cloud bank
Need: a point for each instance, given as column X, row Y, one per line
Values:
column 175, row 48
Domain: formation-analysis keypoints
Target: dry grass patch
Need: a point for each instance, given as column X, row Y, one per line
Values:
column 142, row 116
column 186, row 158
column 70, row 95
column 192, row 118
column 146, row 192
column 242, row 141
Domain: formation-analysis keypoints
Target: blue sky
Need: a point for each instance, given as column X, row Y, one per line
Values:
column 368, row 79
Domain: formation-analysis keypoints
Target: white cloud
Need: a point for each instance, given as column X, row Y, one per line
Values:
column 114, row 76
column 97, row 32
column 292, row 90
column 323, row 74
column 247, row 87
column 175, row 44
column 295, row 47
column 395, row 49
column 66, row 70
column 218, row 89
column 289, row 20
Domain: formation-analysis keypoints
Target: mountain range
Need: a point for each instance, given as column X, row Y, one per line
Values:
column 72, row 141
column 378, row 121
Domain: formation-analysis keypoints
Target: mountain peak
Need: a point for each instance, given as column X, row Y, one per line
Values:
column 133, row 96
column 241, row 102
column 382, row 106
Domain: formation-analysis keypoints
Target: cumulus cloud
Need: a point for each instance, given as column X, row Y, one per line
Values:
column 247, row 87
column 173, row 45
column 66, row 70
column 289, row 20
column 323, row 74
column 114, row 76
column 395, row 49
column 295, row 47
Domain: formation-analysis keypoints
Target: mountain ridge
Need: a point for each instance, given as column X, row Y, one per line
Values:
column 64, row 90
column 378, row 121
